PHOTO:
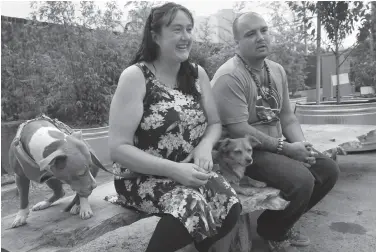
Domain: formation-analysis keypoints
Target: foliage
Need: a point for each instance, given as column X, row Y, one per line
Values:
column 363, row 69
column 338, row 19
column 68, row 65
column 288, row 49
column 65, row 70
column 368, row 24
column 137, row 15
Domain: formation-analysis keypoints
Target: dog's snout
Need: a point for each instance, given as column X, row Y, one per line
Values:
column 249, row 160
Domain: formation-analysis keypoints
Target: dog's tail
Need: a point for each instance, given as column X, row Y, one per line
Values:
column 76, row 200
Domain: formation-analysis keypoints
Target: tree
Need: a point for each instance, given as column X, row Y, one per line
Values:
column 205, row 31
column 138, row 12
column 338, row 19
column 288, row 49
column 363, row 64
column 367, row 31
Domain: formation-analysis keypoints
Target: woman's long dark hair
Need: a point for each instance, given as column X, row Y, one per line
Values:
column 148, row 50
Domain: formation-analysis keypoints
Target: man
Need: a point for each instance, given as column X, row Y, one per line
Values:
column 252, row 97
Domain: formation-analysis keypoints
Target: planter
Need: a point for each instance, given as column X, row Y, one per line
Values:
column 359, row 111
column 367, row 90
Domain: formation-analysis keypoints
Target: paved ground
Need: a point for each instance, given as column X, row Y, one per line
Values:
column 345, row 221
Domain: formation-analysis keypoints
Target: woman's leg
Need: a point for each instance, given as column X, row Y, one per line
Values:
column 211, row 211
column 169, row 235
column 228, row 224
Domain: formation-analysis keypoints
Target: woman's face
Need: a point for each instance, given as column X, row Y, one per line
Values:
column 175, row 40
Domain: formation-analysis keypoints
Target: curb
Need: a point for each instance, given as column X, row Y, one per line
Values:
column 8, row 191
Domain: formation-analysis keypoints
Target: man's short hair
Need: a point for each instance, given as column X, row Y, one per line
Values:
column 235, row 23
column 235, row 30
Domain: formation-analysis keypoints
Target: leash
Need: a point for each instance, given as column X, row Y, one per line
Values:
column 21, row 154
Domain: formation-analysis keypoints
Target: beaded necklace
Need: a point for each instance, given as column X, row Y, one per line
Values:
column 264, row 95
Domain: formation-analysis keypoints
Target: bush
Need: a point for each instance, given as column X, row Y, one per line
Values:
column 364, row 73
column 69, row 73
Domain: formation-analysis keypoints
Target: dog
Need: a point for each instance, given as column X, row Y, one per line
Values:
column 44, row 153
column 233, row 156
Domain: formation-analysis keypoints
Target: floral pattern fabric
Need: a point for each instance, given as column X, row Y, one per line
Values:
column 172, row 125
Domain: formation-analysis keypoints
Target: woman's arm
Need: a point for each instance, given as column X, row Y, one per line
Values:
column 214, row 129
column 125, row 115
column 202, row 155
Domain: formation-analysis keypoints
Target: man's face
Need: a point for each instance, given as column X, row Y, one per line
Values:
column 253, row 37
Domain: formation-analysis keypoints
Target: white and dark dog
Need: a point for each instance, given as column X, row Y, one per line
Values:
column 42, row 152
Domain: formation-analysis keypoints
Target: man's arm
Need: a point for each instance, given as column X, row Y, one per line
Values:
column 230, row 97
column 232, row 104
column 241, row 129
column 290, row 125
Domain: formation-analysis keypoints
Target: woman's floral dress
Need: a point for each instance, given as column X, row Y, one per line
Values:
column 171, row 126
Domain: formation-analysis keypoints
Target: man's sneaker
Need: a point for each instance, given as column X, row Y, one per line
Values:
column 297, row 239
column 282, row 246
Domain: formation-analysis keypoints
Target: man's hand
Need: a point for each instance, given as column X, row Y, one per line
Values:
column 300, row 151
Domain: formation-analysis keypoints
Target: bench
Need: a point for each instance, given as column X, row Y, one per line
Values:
column 112, row 228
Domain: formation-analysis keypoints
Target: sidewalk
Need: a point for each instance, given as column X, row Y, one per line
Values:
column 345, row 221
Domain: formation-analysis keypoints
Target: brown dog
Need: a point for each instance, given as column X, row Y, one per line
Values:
column 233, row 157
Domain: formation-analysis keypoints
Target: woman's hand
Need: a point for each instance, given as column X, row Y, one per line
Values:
column 202, row 156
column 190, row 175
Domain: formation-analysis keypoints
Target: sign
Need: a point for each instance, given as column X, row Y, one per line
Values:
column 343, row 79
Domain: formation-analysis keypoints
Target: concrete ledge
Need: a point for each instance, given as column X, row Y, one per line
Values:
column 348, row 112
column 53, row 230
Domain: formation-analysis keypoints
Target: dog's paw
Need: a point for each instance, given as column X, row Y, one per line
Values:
column 259, row 184
column 41, row 205
column 20, row 219
column 75, row 209
column 86, row 212
column 246, row 191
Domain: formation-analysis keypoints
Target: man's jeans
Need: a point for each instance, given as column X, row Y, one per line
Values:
column 303, row 187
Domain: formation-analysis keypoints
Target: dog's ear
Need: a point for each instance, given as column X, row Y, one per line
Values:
column 223, row 145
column 253, row 141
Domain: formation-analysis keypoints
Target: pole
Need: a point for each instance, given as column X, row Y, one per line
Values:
column 305, row 29
column 318, row 55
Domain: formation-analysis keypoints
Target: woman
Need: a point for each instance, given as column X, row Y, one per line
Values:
column 163, row 125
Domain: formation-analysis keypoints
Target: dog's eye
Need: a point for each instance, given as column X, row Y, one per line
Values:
column 238, row 151
column 249, row 150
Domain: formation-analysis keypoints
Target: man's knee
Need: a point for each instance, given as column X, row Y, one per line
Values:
column 301, row 187
column 329, row 169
